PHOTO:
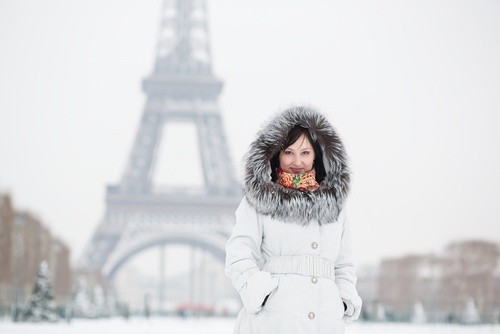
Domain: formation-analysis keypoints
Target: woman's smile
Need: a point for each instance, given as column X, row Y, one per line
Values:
column 297, row 158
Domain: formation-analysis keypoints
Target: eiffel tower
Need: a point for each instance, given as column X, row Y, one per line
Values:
column 181, row 88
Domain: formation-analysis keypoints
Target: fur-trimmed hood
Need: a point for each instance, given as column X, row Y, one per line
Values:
column 291, row 205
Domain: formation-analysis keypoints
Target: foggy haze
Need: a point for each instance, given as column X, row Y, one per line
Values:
column 413, row 88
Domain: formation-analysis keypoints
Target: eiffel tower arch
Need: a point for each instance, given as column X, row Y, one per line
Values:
column 181, row 88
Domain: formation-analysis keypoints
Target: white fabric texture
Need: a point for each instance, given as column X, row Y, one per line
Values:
column 307, row 271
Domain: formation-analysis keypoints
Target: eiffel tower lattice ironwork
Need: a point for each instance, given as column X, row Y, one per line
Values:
column 182, row 87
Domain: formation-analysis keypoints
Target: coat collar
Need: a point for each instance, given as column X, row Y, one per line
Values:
column 290, row 205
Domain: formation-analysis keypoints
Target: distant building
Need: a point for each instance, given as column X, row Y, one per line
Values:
column 471, row 271
column 62, row 275
column 31, row 248
column 6, row 249
column 24, row 243
column 442, row 284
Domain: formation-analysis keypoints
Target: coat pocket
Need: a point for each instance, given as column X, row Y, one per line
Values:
column 272, row 293
column 339, row 303
column 256, row 289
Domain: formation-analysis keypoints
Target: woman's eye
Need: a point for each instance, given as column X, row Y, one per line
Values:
column 306, row 152
column 288, row 152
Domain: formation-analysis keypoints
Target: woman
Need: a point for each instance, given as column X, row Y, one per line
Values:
column 289, row 254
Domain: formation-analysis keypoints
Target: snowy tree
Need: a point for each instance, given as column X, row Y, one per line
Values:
column 81, row 304
column 381, row 314
column 470, row 314
column 41, row 306
column 111, row 303
column 418, row 315
column 18, row 311
column 100, row 309
column 496, row 315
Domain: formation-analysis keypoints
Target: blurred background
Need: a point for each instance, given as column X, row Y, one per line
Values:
column 116, row 117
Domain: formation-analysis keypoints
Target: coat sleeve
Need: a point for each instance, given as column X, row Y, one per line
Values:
column 243, row 256
column 345, row 274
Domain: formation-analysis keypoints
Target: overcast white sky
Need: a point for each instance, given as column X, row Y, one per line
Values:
column 413, row 87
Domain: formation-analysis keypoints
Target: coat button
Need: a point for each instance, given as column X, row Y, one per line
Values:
column 314, row 245
column 311, row 315
column 314, row 279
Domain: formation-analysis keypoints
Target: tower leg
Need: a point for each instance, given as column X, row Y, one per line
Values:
column 161, row 288
column 191, row 275
column 202, row 282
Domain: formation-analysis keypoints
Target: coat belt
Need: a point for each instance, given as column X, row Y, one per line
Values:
column 307, row 265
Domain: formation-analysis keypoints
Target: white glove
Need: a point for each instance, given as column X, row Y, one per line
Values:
column 256, row 289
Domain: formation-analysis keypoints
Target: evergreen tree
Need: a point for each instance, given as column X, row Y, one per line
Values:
column 470, row 315
column 111, row 303
column 99, row 301
column 41, row 306
column 418, row 315
column 81, row 305
column 381, row 313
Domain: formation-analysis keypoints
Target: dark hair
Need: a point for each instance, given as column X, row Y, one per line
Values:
column 291, row 138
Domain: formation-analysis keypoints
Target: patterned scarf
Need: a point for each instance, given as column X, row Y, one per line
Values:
column 302, row 182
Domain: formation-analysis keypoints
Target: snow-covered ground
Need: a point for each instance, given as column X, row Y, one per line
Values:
column 218, row 326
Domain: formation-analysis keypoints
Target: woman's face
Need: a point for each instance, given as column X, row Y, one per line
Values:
column 297, row 158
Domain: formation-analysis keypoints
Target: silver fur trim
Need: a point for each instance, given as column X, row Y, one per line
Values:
column 290, row 205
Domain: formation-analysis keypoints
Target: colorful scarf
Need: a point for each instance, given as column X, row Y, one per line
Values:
column 302, row 182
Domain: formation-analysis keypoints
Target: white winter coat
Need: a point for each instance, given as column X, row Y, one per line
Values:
column 292, row 246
